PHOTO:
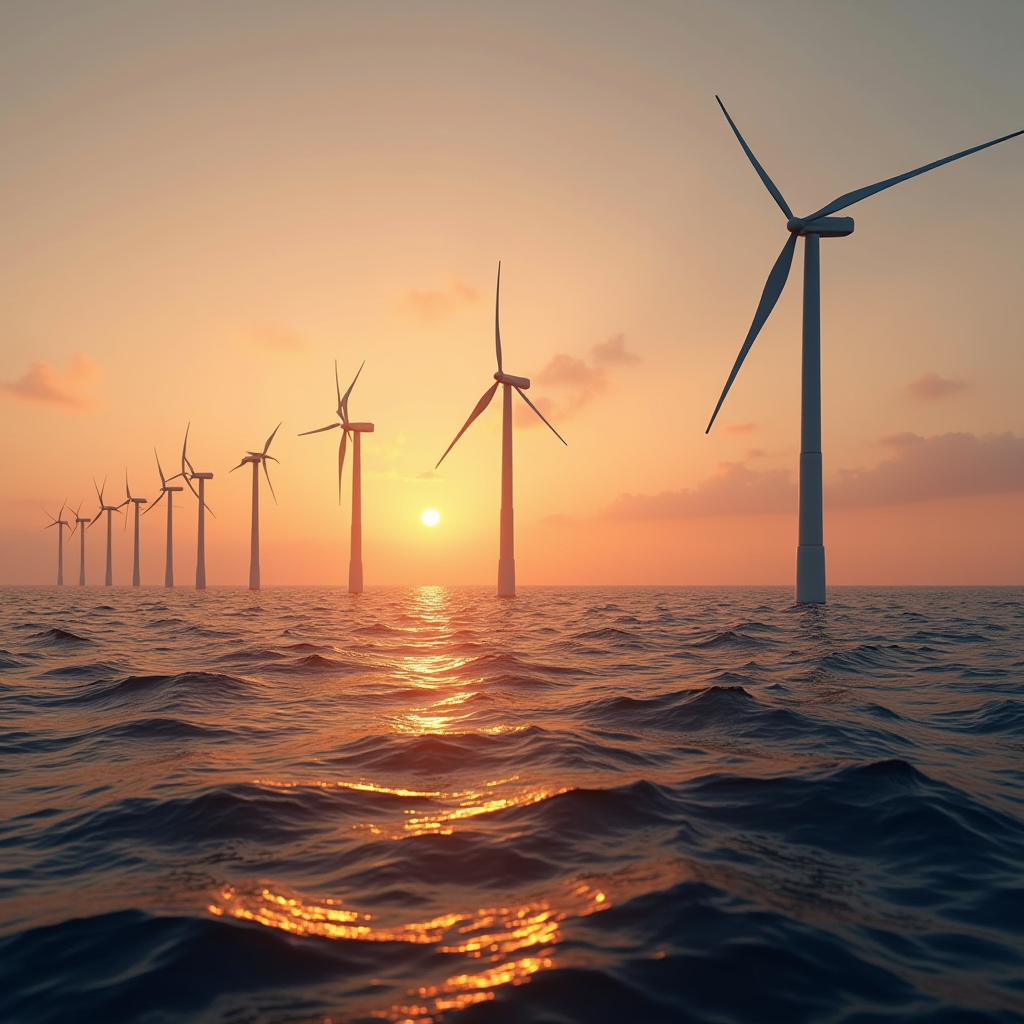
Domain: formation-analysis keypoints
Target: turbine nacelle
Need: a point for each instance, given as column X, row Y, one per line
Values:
column 826, row 227
column 201, row 476
column 517, row 382
column 359, row 428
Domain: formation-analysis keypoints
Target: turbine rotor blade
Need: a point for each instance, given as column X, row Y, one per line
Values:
column 761, row 172
column 485, row 400
column 184, row 448
column 266, row 473
column 343, row 404
column 337, row 386
column 320, row 430
column 160, row 468
column 541, row 415
column 863, row 193
column 239, row 466
column 271, row 438
column 341, row 460
column 155, row 503
column 497, row 329
column 772, row 290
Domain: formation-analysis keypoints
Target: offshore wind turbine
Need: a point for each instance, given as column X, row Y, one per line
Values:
column 80, row 525
column 509, row 383
column 60, row 524
column 108, row 579
column 810, row 559
column 355, row 564
column 257, row 459
column 188, row 474
column 136, row 578
column 170, row 492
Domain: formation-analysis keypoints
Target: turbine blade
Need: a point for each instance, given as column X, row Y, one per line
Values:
column 772, row 290
column 541, row 415
column 337, row 386
column 485, row 401
column 343, row 404
column 341, row 460
column 188, row 481
column 266, row 473
column 761, row 172
column 320, row 430
column 160, row 469
column 497, row 329
column 99, row 493
column 64, row 506
column 239, row 466
column 155, row 503
column 271, row 438
column 184, row 447
column 862, row 193
column 127, row 489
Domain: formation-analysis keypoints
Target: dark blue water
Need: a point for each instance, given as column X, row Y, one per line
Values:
column 593, row 805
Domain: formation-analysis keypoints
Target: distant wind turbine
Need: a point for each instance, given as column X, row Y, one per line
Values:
column 188, row 474
column 80, row 524
column 810, row 560
column 170, row 492
column 108, row 579
column 257, row 459
column 60, row 524
column 355, row 564
column 506, row 556
column 136, row 579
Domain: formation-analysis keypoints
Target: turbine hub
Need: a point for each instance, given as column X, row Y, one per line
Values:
column 516, row 382
column 825, row 227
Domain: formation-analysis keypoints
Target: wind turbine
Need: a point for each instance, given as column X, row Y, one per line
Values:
column 355, row 564
column 257, row 459
column 80, row 525
column 188, row 474
column 60, row 524
column 170, row 492
column 506, row 555
column 810, row 558
column 108, row 580
column 136, row 579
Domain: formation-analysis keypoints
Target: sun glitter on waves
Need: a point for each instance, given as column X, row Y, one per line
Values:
column 430, row 517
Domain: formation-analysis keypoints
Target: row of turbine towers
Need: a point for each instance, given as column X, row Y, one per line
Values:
column 810, row 568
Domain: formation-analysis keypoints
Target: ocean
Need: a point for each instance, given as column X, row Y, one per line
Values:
column 582, row 805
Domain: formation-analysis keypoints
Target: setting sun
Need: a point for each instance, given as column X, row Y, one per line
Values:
column 430, row 517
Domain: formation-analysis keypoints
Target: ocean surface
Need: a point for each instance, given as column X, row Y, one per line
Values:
column 582, row 805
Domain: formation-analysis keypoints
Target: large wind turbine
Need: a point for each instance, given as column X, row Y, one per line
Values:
column 170, row 492
column 80, row 524
column 108, row 579
column 188, row 474
column 506, row 555
column 60, row 524
column 355, row 564
column 136, row 578
column 810, row 559
column 257, row 459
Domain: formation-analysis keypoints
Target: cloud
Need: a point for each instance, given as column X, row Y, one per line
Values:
column 276, row 339
column 920, row 469
column 433, row 305
column 740, row 428
column 930, row 386
column 45, row 385
column 574, row 382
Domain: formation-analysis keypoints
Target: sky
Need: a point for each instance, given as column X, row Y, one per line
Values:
column 205, row 205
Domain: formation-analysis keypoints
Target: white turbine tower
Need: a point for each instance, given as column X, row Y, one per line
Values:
column 108, row 579
column 188, row 474
column 506, row 555
column 60, row 524
column 257, row 459
column 80, row 524
column 810, row 560
column 170, row 492
column 355, row 564
column 136, row 578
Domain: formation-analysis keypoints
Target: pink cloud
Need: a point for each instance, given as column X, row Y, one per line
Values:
column 45, row 385
column 930, row 387
column 436, row 304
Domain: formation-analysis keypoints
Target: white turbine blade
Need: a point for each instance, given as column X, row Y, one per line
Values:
column 341, row 460
column 320, row 430
column 184, row 455
column 485, row 401
column 772, row 290
column 160, row 469
column 271, row 438
column 761, row 172
column 266, row 473
column 497, row 329
column 541, row 415
column 862, row 193
column 343, row 405
column 337, row 387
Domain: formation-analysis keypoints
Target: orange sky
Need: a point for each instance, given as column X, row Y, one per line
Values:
column 204, row 206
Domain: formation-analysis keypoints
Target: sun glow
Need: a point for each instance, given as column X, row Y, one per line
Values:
column 430, row 517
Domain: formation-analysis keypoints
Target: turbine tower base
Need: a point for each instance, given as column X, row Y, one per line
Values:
column 506, row 577
column 810, row 574
column 355, row 577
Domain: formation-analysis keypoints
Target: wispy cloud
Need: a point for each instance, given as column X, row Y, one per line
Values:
column 930, row 386
column 919, row 469
column 740, row 428
column 434, row 304
column 274, row 338
column 571, row 384
column 45, row 385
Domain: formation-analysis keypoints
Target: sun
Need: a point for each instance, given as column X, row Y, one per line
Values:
column 430, row 517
